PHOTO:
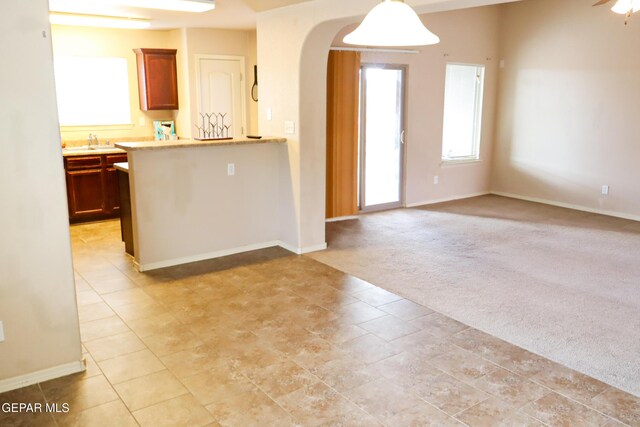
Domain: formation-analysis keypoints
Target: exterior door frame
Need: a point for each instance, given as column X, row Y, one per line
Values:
column 362, row 143
column 243, row 97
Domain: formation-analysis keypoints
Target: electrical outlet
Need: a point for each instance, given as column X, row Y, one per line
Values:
column 436, row 180
column 269, row 114
column 1, row 331
column 605, row 190
column 141, row 121
column 289, row 127
column 231, row 169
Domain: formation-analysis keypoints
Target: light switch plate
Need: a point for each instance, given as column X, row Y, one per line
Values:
column 231, row 169
column 605, row 190
column 269, row 114
column 1, row 331
column 289, row 127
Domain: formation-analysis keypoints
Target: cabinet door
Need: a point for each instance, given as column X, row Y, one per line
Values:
column 112, row 191
column 157, row 79
column 86, row 193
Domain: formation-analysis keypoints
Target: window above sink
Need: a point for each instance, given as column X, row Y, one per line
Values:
column 92, row 90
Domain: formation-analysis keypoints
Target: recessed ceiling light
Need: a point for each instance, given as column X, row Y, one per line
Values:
column 60, row 18
column 177, row 5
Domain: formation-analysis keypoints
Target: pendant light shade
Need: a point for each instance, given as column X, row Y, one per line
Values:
column 624, row 7
column 391, row 23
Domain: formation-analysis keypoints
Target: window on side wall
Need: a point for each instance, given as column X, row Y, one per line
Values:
column 92, row 91
column 464, row 87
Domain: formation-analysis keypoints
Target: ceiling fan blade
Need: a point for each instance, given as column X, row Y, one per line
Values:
column 601, row 2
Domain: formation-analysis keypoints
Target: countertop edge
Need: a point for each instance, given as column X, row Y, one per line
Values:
column 88, row 152
column 163, row 145
column 124, row 166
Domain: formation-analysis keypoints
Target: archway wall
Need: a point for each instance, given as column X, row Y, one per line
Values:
column 293, row 46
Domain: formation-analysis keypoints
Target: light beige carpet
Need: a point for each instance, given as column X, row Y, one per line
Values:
column 561, row 283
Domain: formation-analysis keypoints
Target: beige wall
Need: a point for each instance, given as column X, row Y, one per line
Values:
column 569, row 106
column 186, row 208
column 85, row 41
column 37, row 294
column 178, row 40
column 468, row 36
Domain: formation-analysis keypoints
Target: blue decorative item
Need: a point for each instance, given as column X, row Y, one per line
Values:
column 164, row 129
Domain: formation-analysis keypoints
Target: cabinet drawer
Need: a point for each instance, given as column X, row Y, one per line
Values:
column 84, row 162
column 115, row 158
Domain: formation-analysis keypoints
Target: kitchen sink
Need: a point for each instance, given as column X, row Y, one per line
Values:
column 90, row 148
column 102, row 147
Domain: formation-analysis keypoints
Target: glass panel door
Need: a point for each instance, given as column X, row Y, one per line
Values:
column 381, row 137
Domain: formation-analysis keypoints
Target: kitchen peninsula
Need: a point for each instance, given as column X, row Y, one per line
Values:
column 194, row 200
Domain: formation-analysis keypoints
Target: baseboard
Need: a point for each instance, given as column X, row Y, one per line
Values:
column 208, row 255
column 227, row 252
column 569, row 206
column 342, row 218
column 41, row 376
column 445, row 199
column 316, row 248
column 301, row 251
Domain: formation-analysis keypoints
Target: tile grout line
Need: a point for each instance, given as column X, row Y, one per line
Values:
column 113, row 386
column 543, row 385
column 46, row 399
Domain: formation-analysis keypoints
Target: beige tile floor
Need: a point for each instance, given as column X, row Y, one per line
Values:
column 273, row 339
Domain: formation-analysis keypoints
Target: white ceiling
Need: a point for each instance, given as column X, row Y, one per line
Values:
column 235, row 14
column 262, row 5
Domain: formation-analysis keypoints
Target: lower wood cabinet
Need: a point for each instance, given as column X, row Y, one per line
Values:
column 126, row 220
column 112, row 190
column 85, row 192
column 92, row 186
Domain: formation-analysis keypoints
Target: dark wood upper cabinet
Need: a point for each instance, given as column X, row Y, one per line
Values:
column 157, row 79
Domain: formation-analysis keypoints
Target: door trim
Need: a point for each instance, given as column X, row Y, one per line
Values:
column 243, row 95
column 362, row 143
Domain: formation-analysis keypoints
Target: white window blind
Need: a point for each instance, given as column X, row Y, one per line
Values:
column 92, row 91
column 464, row 88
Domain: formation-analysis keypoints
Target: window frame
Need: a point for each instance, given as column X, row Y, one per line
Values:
column 477, row 120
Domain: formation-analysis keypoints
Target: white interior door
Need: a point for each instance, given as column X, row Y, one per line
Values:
column 221, row 103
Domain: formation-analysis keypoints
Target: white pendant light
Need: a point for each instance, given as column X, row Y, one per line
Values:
column 624, row 7
column 391, row 23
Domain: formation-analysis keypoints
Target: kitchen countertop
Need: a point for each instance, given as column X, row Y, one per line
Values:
column 189, row 143
column 124, row 166
column 83, row 151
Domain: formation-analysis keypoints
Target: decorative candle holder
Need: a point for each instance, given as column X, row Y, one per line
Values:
column 212, row 127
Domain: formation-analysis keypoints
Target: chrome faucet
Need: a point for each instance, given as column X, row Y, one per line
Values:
column 92, row 139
